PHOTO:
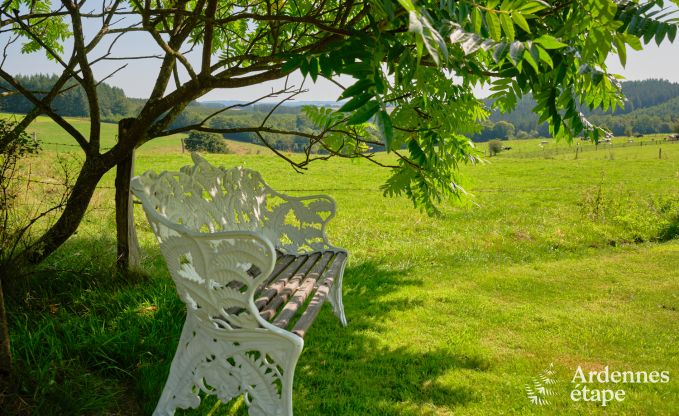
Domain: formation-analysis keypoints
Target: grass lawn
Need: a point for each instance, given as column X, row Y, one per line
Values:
column 554, row 260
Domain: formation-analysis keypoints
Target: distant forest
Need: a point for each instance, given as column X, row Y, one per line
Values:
column 652, row 107
column 71, row 102
column 115, row 106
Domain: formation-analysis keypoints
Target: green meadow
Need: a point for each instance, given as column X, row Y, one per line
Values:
column 555, row 257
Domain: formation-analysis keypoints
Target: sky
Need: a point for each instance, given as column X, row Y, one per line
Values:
column 137, row 78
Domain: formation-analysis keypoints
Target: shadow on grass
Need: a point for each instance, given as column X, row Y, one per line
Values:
column 86, row 342
column 671, row 231
column 350, row 371
column 80, row 332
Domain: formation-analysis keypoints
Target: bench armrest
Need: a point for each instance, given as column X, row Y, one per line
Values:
column 298, row 224
column 216, row 274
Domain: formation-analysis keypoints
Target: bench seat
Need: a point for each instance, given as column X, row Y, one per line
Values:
column 282, row 299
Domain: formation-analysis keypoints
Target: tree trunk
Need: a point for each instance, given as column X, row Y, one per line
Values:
column 73, row 213
column 129, row 253
column 5, row 352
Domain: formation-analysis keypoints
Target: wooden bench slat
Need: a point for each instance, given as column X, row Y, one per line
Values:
column 282, row 263
column 302, row 292
column 309, row 315
column 288, row 287
column 292, row 281
column 275, row 287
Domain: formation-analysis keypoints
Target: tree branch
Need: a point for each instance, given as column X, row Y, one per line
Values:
column 47, row 110
column 88, row 82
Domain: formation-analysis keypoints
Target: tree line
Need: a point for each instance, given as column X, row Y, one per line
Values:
column 71, row 102
column 283, row 119
column 651, row 106
column 114, row 106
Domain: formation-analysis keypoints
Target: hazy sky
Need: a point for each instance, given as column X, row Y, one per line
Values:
column 137, row 78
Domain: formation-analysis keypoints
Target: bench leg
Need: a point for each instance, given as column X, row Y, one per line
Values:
column 257, row 364
column 178, row 391
column 335, row 296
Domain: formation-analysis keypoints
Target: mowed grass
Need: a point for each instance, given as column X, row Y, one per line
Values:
column 552, row 260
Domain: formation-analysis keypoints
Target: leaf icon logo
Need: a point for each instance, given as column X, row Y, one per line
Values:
column 540, row 389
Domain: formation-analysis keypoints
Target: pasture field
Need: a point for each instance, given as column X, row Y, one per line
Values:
column 551, row 260
column 55, row 139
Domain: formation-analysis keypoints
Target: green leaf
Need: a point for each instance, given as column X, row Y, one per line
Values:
column 355, row 102
column 428, row 37
column 649, row 31
column 671, row 33
column 660, row 34
column 416, row 152
column 304, row 67
column 494, row 26
column 477, row 20
column 500, row 51
column 291, row 64
column 520, row 21
column 327, row 66
column 550, row 42
column 386, row 127
column 534, row 6
column 313, row 68
column 407, row 4
column 634, row 42
column 544, row 56
column 359, row 86
column 622, row 50
column 507, row 26
column 529, row 58
column 358, row 69
column 364, row 113
column 516, row 50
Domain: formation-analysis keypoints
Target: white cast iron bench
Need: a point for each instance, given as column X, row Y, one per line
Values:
column 253, row 267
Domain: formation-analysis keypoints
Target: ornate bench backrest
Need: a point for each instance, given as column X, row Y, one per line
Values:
column 204, row 198
column 208, row 199
column 208, row 223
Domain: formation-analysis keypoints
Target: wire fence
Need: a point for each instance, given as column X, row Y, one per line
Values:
column 57, row 144
column 550, row 150
column 43, row 182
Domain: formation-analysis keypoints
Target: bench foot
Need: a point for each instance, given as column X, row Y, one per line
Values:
column 335, row 297
column 257, row 364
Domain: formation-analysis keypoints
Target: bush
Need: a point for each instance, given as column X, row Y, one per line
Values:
column 205, row 142
column 494, row 147
column 13, row 148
